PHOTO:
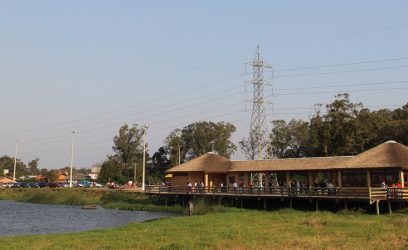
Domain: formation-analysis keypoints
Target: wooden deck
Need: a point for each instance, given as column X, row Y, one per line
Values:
column 340, row 193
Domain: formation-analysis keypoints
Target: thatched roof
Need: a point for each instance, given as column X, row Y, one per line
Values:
column 209, row 162
column 386, row 155
column 290, row 164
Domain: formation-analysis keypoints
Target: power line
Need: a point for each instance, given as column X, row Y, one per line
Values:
column 342, row 64
column 338, row 72
column 190, row 106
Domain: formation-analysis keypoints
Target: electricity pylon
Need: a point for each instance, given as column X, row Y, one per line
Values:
column 258, row 132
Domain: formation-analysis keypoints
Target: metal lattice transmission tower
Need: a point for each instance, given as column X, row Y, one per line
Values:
column 258, row 132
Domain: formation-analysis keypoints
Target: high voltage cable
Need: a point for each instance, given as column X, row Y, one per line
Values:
column 147, row 111
column 169, row 127
column 337, row 72
column 239, row 93
column 138, row 104
column 92, row 142
column 225, row 79
column 342, row 64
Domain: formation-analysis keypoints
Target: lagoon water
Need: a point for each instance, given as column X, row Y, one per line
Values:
column 18, row 218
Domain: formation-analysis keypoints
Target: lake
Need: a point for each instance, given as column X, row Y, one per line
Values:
column 17, row 218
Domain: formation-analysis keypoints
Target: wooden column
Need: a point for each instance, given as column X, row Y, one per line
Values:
column 377, row 207
column 339, row 183
column 389, row 207
column 310, row 179
column 368, row 178
column 206, row 180
column 246, row 179
column 266, row 180
column 402, row 177
column 287, row 178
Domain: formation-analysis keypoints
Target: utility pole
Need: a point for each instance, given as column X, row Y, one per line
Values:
column 144, row 155
column 15, row 161
column 212, row 146
column 179, row 154
column 258, row 132
column 134, row 175
column 72, row 158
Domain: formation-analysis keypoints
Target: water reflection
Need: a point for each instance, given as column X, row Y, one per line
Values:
column 25, row 218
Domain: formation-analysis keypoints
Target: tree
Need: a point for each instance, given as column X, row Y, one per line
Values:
column 289, row 140
column 7, row 162
column 128, row 144
column 111, row 170
column 198, row 138
column 33, row 166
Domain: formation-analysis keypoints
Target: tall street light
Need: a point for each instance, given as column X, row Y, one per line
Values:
column 144, row 155
column 72, row 158
column 15, row 162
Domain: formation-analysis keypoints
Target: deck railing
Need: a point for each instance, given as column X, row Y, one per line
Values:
column 314, row 192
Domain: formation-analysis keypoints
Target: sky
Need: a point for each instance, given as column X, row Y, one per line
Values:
column 91, row 66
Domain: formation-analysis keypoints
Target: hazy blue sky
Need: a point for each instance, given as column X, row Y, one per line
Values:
column 91, row 66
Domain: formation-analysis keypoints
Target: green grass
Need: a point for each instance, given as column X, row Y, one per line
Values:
column 215, row 226
column 238, row 229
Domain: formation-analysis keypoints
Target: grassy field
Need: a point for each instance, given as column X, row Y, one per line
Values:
column 238, row 229
column 80, row 196
column 219, row 228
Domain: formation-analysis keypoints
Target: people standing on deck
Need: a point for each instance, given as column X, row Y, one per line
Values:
column 201, row 186
column 250, row 185
column 189, row 187
column 234, row 186
column 241, row 186
column 399, row 186
column 383, row 185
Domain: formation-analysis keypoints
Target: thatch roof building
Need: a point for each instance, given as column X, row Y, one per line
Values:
column 386, row 162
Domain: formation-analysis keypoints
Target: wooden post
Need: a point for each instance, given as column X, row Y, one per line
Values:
column 242, row 203
column 317, row 205
column 206, row 180
column 368, row 178
column 389, row 207
column 339, row 183
column 290, row 202
column 266, row 181
column 287, row 178
column 190, row 208
column 377, row 207
column 402, row 177
column 310, row 179
column 264, row 204
column 345, row 205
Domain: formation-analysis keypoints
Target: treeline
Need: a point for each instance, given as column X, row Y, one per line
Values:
column 340, row 128
column 181, row 144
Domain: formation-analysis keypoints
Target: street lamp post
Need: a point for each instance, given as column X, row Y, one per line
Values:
column 15, row 162
column 144, row 155
column 72, row 159
column 179, row 154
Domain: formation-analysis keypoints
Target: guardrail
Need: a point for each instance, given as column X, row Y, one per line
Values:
column 314, row 192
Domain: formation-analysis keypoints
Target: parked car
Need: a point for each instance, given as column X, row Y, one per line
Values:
column 16, row 185
column 41, row 184
column 33, row 185
column 25, row 185
column 84, row 183
column 53, row 184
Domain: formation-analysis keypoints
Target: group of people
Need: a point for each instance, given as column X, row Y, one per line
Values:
column 393, row 190
column 197, row 187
